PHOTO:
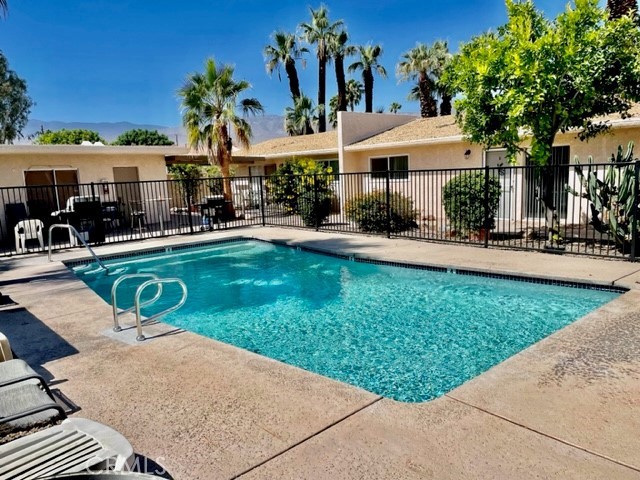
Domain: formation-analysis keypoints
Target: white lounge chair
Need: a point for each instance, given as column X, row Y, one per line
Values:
column 76, row 445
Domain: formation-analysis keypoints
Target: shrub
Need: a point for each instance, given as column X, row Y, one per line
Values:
column 297, row 183
column 369, row 211
column 312, row 212
column 463, row 198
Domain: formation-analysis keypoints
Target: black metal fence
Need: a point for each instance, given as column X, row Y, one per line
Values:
column 583, row 209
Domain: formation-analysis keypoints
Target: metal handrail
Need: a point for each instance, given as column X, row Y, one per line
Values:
column 138, row 305
column 71, row 228
column 114, row 300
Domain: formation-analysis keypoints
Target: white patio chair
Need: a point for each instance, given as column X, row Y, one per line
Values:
column 28, row 230
column 76, row 445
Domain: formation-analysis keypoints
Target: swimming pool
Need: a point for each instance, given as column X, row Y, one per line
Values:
column 404, row 333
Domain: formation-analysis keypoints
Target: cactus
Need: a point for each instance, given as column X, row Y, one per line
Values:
column 612, row 200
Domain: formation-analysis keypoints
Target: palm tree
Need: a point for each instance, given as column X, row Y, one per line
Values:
column 368, row 63
column 443, row 58
column 209, row 101
column 333, row 111
column 339, row 50
column 394, row 107
column 319, row 32
column 355, row 90
column 285, row 51
column 4, row 7
column 419, row 64
column 300, row 116
column 620, row 8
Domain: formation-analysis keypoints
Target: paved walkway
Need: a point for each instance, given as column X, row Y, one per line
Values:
column 567, row 407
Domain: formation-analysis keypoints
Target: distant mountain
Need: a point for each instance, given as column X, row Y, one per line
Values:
column 264, row 128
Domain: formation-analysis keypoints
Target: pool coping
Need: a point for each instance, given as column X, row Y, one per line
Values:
column 357, row 257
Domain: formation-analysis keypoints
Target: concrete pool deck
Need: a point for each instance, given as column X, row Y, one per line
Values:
column 568, row 406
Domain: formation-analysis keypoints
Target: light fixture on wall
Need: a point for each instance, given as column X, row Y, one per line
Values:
column 467, row 154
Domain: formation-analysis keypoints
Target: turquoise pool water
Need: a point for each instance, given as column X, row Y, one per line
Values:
column 407, row 334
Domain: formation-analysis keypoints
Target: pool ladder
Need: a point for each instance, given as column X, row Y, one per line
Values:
column 75, row 232
column 138, row 304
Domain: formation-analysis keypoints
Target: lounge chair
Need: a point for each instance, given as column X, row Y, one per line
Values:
column 76, row 445
column 18, row 371
column 25, row 404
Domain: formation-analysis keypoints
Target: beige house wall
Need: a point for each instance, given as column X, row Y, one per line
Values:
column 91, row 167
column 94, row 164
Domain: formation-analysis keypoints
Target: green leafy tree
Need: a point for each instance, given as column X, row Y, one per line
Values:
column 15, row 104
column 140, row 136
column 368, row 64
column 319, row 32
column 303, row 187
column 542, row 77
column 420, row 64
column 209, row 102
column 187, row 175
column 297, row 119
column 65, row 136
column 355, row 91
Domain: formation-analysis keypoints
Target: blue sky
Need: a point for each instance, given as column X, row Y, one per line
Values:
column 124, row 60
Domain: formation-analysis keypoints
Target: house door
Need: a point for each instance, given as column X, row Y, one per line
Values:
column 496, row 159
column 127, row 188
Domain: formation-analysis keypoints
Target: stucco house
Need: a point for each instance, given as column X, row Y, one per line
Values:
column 417, row 150
column 55, row 171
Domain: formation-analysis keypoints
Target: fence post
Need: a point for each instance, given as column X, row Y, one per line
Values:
column 487, row 220
column 634, row 219
column 315, row 202
column 189, row 196
column 388, row 202
column 262, row 214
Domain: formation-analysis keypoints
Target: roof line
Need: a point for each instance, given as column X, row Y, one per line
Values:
column 295, row 153
column 422, row 141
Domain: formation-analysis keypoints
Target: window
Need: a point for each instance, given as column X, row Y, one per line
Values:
column 49, row 190
column 397, row 165
column 334, row 165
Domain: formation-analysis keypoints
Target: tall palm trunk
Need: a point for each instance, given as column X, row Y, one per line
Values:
column 322, row 88
column 294, row 86
column 428, row 106
column 342, row 83
column 224, row 157
column 445, row 104
column 294, row 82
column 367, row 77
